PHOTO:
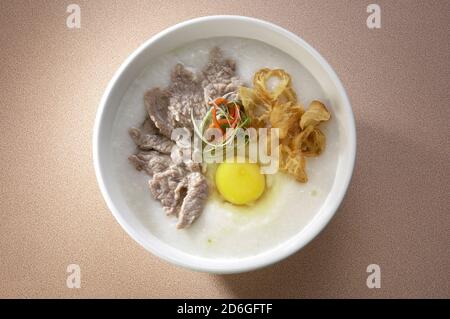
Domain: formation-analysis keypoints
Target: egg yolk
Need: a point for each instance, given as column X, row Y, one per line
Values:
column 240, row 183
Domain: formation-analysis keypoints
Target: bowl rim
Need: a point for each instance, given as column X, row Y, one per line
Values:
column 285, row 248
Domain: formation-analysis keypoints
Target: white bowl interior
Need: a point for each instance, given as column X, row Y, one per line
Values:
column 177, row 36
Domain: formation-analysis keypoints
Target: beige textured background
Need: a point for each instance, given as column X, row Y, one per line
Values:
column 396, row 213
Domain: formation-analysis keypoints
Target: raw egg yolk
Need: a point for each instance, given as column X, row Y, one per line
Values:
column 240, row 183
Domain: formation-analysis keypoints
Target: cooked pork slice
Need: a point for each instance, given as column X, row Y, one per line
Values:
column 218, row 67
column 183, row 156
column 178, row 184
column 157, row 104
column 181, row 193
column 192, row 166
column 169, row 187
column 186, row 96
column 149, row 127
column 193, row 203
column 158, row 164
column 141, row 159
column 151, row 162
column 215, row 90
column 219, row 75
column 148, row 142
column 157, row 142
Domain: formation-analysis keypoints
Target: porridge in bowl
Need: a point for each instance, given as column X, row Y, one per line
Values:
column 225, row 147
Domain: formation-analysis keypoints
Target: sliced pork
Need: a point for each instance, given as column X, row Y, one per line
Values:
column 179, row 186
column 219, row 75
column 193, row 203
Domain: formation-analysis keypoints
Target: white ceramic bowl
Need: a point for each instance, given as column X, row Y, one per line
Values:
column 207, row 27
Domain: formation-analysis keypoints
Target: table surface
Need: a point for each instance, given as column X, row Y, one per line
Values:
column 396, row 211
